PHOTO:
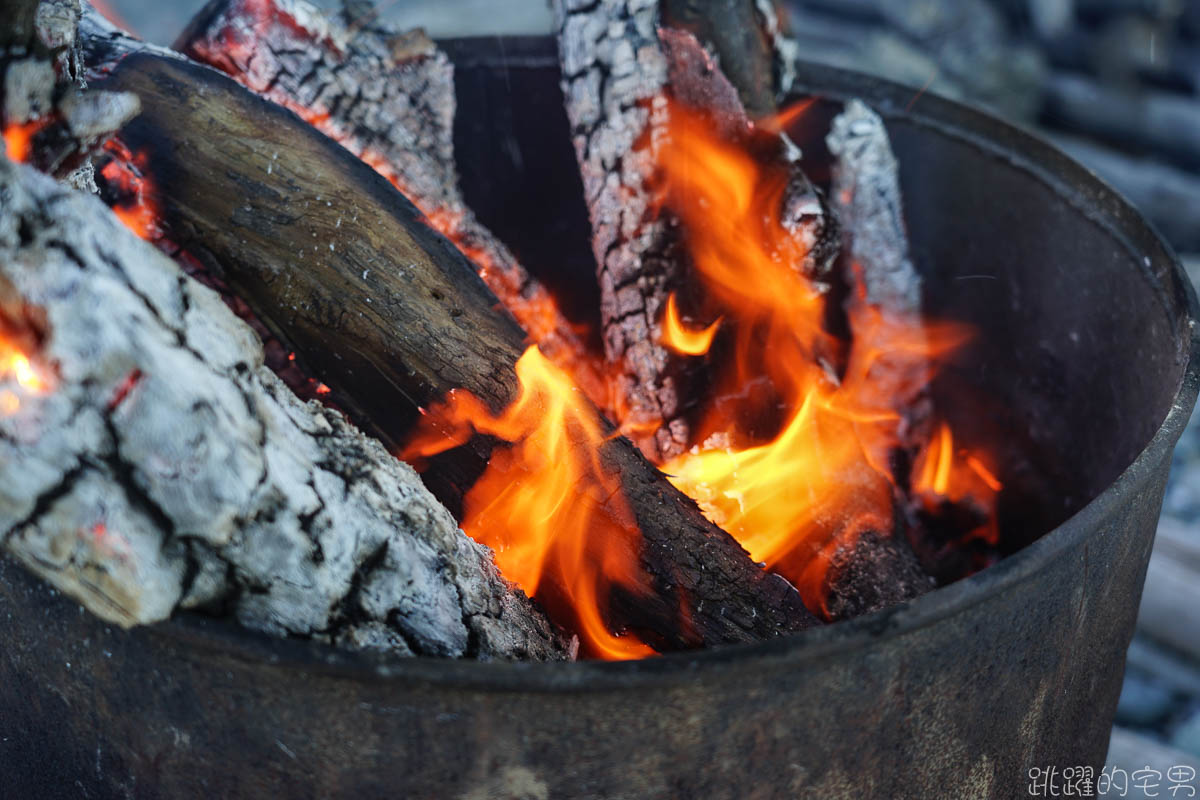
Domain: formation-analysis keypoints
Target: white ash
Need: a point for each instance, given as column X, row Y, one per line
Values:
column 866, row 194
column 94, row 116
column 166, row 467
column 82, row 178
column 28, row 90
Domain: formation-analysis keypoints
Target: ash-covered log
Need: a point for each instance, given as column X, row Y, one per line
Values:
column 45, row 115
column 150, row 463
column 620, row 72
column 866, row 195
column 878, row 568
column 388, row 97
column 392, row 316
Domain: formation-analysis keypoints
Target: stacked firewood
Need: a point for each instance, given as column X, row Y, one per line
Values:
column 156, row 463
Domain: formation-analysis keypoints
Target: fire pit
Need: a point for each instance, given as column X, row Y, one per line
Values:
column 1082, row 375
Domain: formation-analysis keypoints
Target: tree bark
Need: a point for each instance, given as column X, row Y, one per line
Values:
column 619, row 69
column 391, row 315
column 156, row 465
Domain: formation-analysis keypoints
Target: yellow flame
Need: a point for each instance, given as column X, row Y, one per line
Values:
column 824, row 476
column 682, row 340
column 549, row 507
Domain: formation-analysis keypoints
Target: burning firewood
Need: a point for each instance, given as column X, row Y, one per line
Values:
column 42, row 94
column 781, row 422
column 388, row 97
column 150, row 463
column 620, row 70
column 393, row 318
column 887, row 298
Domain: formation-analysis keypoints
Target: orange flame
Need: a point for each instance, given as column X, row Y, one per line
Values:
column 16, row 367
column 823, row 476
column 681, row 339
column 126, row 175
column 554, row 514
column 18, row 138
column 943, row 473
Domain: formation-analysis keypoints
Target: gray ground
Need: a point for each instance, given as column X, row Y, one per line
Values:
column 160, row 22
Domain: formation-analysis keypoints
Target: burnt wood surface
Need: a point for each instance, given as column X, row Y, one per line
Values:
column 735, row 32
column 162, row 467
column 388, row 97
column 614, row 79
column 392, row 316
column 878, row 569
column 621, row 65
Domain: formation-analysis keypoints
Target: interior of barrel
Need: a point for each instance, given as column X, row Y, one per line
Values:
column 1077, row 354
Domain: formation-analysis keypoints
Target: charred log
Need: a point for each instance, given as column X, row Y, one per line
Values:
column 873, row 572
column 388, row 97
column 155, row 465
column 619, row 69
column 391, row 316
column 43, row 108
column 877, row 569
column 738, row 36
column 866, row 195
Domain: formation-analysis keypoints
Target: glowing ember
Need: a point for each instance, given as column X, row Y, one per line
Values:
column 823, row 476
column 123, row 390
column 125, row 176
column 18, row 139
column 107, row 543
column 553, row 513
column 944, row 474
column 16, row 367
column 9, row 403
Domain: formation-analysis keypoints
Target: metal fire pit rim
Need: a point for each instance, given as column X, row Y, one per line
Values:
column 1037, row 157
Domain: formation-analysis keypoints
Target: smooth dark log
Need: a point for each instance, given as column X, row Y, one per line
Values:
column 152, row 464
column 388, row 97
column 391, row 315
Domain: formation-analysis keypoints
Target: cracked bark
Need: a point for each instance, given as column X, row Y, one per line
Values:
column 165, row 468
column 388, row 97
column 619, row 69
column 392, row 317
